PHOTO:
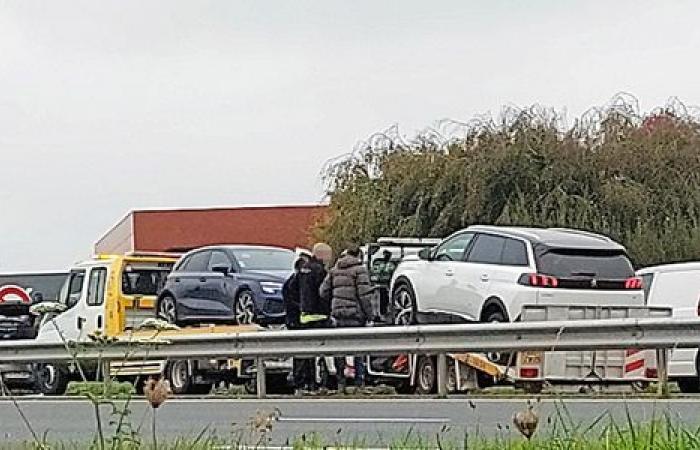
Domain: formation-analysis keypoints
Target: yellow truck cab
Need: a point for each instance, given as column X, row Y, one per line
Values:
column 109, row 293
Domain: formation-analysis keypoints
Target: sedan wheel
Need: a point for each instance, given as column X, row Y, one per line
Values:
column 404, row 306
column 167, row 310
column 245, row 308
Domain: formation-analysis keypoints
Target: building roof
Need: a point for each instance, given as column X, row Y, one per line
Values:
column 180, row 230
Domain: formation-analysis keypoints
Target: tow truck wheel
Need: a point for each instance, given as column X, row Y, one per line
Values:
column 51, row 379
column 178, row 375
column 404, row 305
column 167, row 309
column 245, row 307
column 426, row 375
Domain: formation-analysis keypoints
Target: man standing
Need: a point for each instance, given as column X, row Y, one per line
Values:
column 348, row 287
column 314, row 311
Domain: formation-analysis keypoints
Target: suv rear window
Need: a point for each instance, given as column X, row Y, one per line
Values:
column 601, row 264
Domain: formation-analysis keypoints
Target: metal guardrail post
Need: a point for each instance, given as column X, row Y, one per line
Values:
column 662, row 371
column 260, row 378
column 442, row 375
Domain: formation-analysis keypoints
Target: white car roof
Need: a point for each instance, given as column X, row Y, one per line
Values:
column 676, row 267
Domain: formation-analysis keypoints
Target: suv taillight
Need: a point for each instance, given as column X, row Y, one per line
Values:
column 537, row 280
column 633, row 283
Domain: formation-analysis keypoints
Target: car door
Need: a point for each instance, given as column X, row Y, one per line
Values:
column 191, row 278
column 438, row 281
column 482, row 265
column 83, row 295
column 218, row 285
column 93, row 309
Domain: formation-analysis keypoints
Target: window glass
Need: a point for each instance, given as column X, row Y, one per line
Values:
column 197, row 262
column 143, row 281
column 647, row 279
column 96, row 286
column 264, row 259
column 602, row 264
column 183, row 263
column 514, row 253
column 72, row 289
column 487, row 249
column 454, row 248
column 218, row 259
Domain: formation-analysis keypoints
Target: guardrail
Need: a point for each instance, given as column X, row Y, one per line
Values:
column 433, row 339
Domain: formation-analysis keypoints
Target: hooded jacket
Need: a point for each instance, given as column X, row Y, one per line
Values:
column 310, row 278
column 348, row 287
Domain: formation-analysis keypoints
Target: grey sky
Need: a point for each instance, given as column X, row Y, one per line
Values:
column 107, row 106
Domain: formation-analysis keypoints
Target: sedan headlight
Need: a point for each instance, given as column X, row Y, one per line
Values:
column 270, row 287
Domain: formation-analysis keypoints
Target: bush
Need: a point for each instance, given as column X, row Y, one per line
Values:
column 615, row 171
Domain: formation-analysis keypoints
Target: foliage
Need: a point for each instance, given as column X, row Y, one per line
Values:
column 633, row 177
column 101, row 389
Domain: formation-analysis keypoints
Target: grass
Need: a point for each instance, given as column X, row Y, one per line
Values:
column 601, row 433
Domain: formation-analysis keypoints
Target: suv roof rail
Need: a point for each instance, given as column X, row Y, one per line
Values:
column 582, row 233
column 407, row 241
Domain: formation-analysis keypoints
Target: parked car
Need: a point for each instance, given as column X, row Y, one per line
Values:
column 16, row 322
column 677, row 286
column 486, row 274
column 228, row 283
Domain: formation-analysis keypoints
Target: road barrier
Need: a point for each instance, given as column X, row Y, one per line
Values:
column 649, row 333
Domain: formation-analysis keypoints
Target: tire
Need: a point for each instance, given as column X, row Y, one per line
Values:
column 426, row 376
column 179, row 377
column 167, row 309
column 403, row 305
column 496, row 315
column 51, row 379
column 244, row 307
column 689, row 385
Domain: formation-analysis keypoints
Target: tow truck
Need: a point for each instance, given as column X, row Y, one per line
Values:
column 111, row 295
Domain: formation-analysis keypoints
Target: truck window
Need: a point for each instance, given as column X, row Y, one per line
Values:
column 96, row 286
column 72, row 289
column 143, row 281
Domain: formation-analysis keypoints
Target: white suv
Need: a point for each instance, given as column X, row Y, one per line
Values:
column 487, row 273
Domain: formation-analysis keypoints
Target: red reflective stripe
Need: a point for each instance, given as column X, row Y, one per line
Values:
column 631, row 367
column 6, row 291
column 632, row 351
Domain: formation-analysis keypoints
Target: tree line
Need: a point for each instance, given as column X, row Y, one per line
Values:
column 614, row 170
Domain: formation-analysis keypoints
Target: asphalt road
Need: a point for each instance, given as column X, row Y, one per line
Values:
column 376, row 422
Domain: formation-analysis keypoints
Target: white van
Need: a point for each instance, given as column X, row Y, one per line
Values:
column 677, row 286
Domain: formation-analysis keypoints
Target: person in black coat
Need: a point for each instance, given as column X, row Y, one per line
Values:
column 314, row 310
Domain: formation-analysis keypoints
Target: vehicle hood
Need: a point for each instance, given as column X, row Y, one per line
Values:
column 267, row 275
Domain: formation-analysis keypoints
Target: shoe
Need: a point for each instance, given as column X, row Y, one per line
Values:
column 298, row 393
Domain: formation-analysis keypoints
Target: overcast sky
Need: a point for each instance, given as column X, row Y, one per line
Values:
column 107, row 106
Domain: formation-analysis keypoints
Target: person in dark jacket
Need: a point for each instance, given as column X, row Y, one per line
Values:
column 349, row 290
column 290, row 295
column 314, row 311
column 292, row 307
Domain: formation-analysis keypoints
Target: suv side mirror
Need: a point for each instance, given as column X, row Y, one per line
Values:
column 221, row 269
column 426, row 254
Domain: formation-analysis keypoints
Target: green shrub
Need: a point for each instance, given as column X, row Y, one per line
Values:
column 100, row 389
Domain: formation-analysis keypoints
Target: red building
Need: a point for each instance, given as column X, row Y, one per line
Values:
column 179, row 230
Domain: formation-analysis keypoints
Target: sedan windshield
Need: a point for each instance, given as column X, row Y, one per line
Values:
column 264, row 259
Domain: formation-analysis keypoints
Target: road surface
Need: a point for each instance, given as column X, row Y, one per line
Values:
column 375, row 422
